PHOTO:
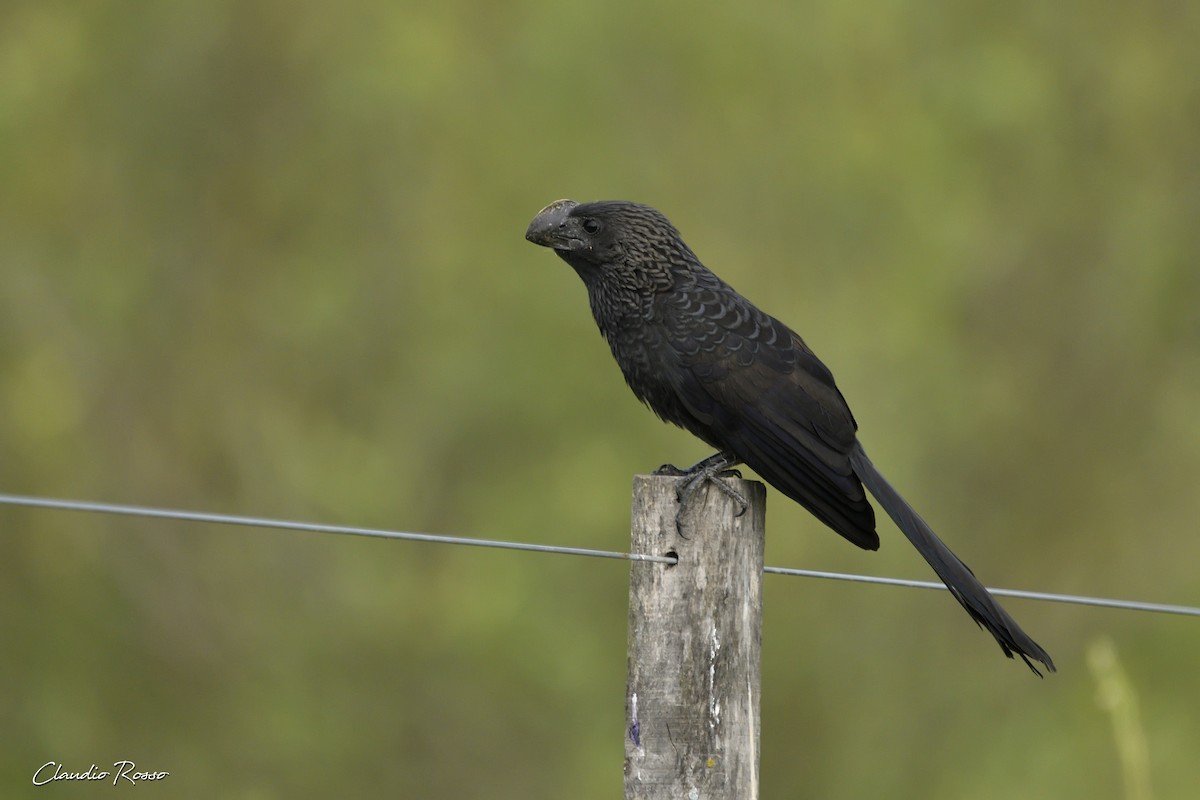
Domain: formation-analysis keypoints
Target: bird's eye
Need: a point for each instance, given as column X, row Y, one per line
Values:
column 591, row 225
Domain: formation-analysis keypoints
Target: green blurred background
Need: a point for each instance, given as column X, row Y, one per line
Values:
column 266, row 258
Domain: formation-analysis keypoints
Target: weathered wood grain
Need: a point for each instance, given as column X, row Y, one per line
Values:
column 695, row 639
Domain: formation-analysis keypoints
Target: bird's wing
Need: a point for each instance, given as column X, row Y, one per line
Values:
column 755, row 387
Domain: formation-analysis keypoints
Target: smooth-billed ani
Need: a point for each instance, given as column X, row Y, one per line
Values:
column 703, row 357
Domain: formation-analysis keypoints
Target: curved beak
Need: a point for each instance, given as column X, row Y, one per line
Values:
column 549, row 227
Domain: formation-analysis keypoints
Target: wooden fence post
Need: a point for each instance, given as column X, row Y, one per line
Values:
column 695, row 641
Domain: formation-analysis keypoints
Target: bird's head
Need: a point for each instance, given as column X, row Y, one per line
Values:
column 608, row 234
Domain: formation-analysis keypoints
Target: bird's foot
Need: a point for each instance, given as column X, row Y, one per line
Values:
column 710, row 470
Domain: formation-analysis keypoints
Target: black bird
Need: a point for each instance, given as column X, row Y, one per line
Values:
column 703, row 357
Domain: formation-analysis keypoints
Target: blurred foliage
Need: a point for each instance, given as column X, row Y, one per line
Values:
column 1117, row 697
column 267, row 258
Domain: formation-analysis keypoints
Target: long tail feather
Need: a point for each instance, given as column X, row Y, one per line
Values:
column 958, row 578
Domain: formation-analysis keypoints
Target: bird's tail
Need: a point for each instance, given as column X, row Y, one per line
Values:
column 957, row 576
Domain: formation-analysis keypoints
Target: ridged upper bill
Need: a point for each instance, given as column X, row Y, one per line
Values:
column 546, row 226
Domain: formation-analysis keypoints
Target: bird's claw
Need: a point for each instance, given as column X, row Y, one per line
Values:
column 710, row 470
